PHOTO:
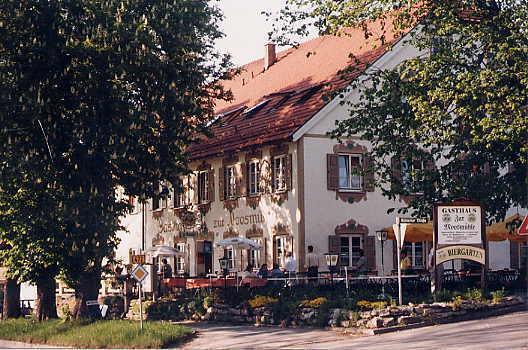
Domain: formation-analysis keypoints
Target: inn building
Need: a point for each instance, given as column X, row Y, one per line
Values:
column 271, row 173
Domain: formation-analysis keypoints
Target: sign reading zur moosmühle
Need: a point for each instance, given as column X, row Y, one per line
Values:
column 459, row 232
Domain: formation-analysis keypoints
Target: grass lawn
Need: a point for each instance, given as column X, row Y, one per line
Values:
column 100, row 334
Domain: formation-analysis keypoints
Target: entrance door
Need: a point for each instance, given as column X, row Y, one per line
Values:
column 208, row 256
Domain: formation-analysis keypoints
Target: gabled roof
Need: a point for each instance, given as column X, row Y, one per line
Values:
column 270, row 105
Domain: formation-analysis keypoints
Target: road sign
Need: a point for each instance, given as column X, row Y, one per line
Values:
column 139, row 273
column 138, row 259
column 413, row 220
column 399, row 233
column 523, row 229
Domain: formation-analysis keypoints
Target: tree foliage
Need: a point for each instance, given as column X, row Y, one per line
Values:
column 462, row 103
column 96, row 95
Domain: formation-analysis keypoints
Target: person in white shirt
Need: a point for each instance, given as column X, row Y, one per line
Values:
column 312, row 263
column 290, row 264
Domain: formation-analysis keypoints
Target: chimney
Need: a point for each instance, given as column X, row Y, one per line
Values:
column 269, row 55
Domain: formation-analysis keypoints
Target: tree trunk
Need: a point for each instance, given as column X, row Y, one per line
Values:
column 11, row 307
column 87, row 289
column 46, row 304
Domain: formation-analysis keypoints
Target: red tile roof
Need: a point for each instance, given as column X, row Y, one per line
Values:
column 291, row 92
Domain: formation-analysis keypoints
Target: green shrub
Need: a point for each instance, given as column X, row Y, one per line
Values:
column 262, row 300
column 474, row 294
column 314, row 303
column 498, row 295
column 457, row 303
column 444, row 295
column 371, row 305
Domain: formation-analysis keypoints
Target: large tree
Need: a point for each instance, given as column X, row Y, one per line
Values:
column 108, row 94
column 462, row 104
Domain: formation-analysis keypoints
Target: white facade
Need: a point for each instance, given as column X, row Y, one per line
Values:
column 307, row 213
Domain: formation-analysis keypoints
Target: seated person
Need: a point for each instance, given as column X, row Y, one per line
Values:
column 247, row 275
column 276, row 272
column 263, row 271
column 166, row 269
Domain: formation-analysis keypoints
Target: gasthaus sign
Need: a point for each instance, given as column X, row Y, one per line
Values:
column 459, row 225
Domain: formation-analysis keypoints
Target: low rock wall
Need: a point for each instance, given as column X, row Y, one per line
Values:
column 390, row 316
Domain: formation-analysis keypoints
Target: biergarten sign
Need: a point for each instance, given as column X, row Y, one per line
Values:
column 460, row 252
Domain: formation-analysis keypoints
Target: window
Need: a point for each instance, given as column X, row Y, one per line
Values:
column 350, row 172
column 253, row 176
column 349, row 248
column 229, row 253
column 523, row 253
column 179, row 194
column 411, row 171
column 254, row 255
column 279, row 173
column 203, row 187
column 156, row 202
column 416, row 253
column 280, row 249
column 180, row 260
column 229, row 182
column 132, row 201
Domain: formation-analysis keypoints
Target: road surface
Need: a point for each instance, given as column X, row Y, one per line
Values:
column 503, row 332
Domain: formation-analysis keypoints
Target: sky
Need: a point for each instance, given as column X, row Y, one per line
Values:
column 245, row 28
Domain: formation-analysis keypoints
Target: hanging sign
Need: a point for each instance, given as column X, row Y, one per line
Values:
column 459, row 224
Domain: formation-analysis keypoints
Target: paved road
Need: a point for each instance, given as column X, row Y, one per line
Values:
column 503, row 332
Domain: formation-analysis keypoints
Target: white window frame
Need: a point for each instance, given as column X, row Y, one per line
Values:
column 180, row 260
column 349, row 176
column 178, row 199
column 231, row 258
column 203, row 186
column 279, row 173
column 253, row 177
column 408, row 175
column 411, row 248
column 230, row 182
column 280, row 246
column 353, row 251
column 254, row 254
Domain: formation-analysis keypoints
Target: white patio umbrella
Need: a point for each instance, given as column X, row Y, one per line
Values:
column 163, row 250
column 239, row 243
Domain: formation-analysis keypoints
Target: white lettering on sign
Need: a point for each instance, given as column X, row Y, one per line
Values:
column 459, row 225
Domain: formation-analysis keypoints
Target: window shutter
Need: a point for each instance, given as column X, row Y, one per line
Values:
column 241, row 183
column 396, row 174
column 370, row 252
column 333, row 244
column 394, row 255
column 368, row 174
column 514, row 254
column 221, row 177
column 272, row 172
column 332, row 172
column 288, row 165
column 211, row 184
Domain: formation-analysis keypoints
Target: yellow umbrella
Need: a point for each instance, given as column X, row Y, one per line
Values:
column 500, row 231
column 414, row 232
